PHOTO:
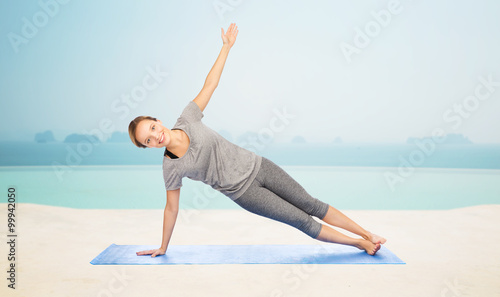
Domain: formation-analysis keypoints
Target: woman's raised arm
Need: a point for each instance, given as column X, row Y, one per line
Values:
column 213, row 77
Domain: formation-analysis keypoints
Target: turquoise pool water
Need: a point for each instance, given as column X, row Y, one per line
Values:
column 141, row 187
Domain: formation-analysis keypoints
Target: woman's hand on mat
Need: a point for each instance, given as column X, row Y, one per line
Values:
column 230, row 37
column 153, row 253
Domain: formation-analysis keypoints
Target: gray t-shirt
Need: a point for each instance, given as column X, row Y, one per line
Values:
column 210, row 158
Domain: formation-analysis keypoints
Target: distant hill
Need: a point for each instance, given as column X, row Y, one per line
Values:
column 75, row 138
column 44, row 137
column 337, row 140
column 298, row 139
column 247, row 137
column 451, row 138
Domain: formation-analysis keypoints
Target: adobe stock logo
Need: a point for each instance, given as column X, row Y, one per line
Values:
column 277, row 124
column 372, row 29
column 454, row 116
column 222, row 7
column 106, row 126
column 29, row 28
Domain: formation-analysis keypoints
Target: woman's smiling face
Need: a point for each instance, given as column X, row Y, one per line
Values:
column 152, row 133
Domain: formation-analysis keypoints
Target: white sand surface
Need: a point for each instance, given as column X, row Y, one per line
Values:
column 448, row 253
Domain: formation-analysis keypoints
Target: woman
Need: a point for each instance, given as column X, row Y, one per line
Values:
column 251, row 181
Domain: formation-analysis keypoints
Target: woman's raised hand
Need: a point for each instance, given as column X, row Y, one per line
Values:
column 153, row 253
column 230, row 37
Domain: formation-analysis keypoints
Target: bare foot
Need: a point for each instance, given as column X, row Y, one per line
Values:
column 369, row 247
column 375, row 238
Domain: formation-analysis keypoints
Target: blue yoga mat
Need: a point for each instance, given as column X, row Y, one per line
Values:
column 244, row 254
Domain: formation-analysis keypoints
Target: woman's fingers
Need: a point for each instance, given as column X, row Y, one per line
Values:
column 230, row 36
column 231, row 30
column 153, row 253
column 149, row 252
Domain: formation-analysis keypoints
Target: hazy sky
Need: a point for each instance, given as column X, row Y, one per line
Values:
column 422, row 65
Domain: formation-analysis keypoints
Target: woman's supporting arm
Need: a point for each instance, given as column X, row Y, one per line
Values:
column 213, row 77
column 169, row 218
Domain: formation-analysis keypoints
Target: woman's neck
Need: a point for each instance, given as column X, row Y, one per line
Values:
column 179, row 143
column 175, row 140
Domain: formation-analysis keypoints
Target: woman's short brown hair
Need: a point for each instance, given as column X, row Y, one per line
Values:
column 133, row 126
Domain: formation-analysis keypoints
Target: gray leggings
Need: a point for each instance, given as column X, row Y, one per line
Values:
column 276, row 195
